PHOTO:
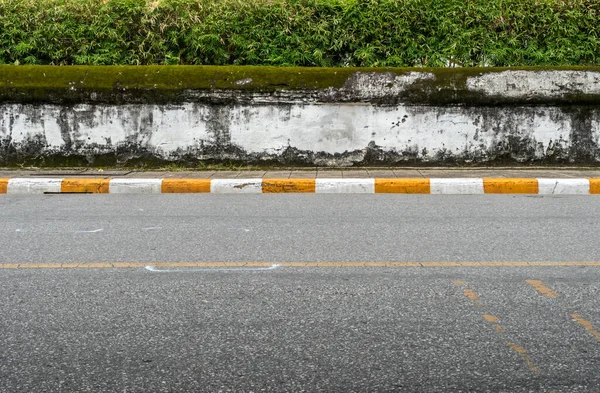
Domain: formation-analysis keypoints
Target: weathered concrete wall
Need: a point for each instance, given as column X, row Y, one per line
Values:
column 375, row 117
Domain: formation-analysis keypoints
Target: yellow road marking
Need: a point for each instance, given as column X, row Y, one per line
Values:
column 524, row 355
column 499, row 329
column 3, row 186
column 471, row 295
column 91, row 186
column 542, row 289
column 288, row 185
column 294, row 264
column 402, row 186
column 510, row 186
column 442, row 264
column 185, row 185
column 490, row 318
column 587, row 325
column 493, row 319
column 468, row 293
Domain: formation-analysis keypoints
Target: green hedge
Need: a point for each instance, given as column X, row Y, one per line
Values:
column 359, row 33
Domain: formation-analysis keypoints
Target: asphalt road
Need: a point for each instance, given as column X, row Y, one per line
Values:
column 406, row 329
column 88, row 228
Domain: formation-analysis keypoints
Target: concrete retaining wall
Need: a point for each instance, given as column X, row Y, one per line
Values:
column 299, row 117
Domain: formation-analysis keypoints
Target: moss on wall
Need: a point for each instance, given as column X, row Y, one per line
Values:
column 224, row 84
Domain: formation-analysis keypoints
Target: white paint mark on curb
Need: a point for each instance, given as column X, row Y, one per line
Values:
column 456, row 186
column 236, row 186
column 155, row 270
column 345, row 186
column 33, row 185
column 564, row 186
column 135, row 186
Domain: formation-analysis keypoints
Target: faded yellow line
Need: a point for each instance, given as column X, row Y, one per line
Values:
column 542, row 289
column 524, row 355
column 98, row 265
column 494, row 320
column 471, row 295
column 587, row 325
column 490, row 318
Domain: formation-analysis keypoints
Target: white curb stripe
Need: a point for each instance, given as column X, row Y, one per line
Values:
column 456, row 186
column 564, row 186
column 33, row 185
column 345, row 186
column 135, row 186
column 236, row 186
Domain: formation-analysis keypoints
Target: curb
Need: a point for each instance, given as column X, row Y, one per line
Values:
column 452, row 186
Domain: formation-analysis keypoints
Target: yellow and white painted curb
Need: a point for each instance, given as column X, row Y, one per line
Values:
column 453, row 186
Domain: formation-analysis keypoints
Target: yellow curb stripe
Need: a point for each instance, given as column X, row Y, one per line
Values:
column 185, row 186
column 542, row 289
column 3, row 186
column 510, row 186
column 587, row 325
column 402, row 186
column 92, row 265
column 594, row 186
column 88, row 186
column 270, row 186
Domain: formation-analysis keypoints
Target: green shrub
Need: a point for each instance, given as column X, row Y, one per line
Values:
column 361, row 33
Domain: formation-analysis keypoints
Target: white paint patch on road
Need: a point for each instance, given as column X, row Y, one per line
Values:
column 240, row 229
column 91, row 231
column 33, row 185
column 135, row 186
column 564, row 186
column 151, row 229
column 345, row 186
column 457, row 186
column 155, row 270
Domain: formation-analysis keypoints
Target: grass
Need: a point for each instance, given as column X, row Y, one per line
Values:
column 313, row 33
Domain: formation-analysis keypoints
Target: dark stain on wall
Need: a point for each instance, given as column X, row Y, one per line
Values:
column 509, row 128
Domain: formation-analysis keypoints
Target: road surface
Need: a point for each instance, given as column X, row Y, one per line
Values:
column 512, row 323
